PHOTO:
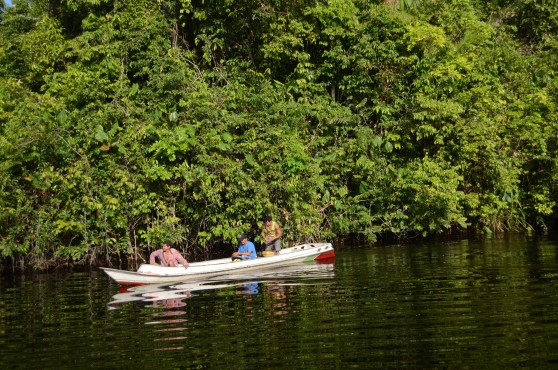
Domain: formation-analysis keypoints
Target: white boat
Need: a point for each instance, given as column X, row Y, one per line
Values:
column 149, row 274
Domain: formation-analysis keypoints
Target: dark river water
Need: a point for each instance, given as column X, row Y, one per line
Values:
column 489, row 304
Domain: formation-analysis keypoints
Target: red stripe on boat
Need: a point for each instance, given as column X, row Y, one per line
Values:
column 325, row 255
column 130, row 284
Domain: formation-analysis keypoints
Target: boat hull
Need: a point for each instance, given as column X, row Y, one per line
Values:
column 149, row 274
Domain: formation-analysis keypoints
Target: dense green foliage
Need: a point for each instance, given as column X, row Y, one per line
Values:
column 123, row 123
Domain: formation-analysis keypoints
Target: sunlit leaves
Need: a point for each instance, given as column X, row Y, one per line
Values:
column 126, row 123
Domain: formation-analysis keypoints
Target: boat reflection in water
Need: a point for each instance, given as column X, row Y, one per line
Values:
column 171, row 320
column 172, row 295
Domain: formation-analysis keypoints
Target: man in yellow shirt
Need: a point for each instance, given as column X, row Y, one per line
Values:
column 271, row 233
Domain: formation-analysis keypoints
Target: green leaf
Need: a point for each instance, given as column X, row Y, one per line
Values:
column 133, row 90
column 250, row 159
column 100, row 134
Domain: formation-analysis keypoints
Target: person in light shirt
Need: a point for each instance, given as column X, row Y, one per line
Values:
column 246, row 249
column 167, row 257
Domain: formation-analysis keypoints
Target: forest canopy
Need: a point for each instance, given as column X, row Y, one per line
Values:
column 126, row 123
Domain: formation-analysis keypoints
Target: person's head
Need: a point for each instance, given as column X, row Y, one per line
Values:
column 167, row 245
column 243, row 239
column 268, row 220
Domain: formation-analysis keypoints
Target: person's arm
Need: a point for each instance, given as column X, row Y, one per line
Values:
column 180, row 259
column 263, row 232
column 243, row 251
column 279, row 232
column 152, row 258
column 238, row 252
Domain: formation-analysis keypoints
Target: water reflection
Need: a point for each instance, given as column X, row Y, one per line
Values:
column 169, row 303
column 171, row 318
column 249, row 288
column 278, row 299
column 171, row 295
column 462, row 305
column 169, row 321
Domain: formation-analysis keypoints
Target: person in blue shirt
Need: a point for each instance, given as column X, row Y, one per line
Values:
column 246, row 249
